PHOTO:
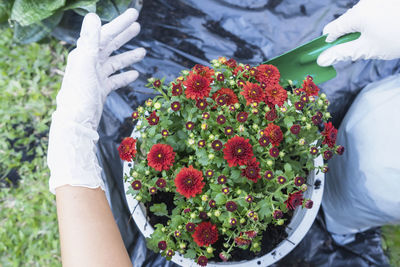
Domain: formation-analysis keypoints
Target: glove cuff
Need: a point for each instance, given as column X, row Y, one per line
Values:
column 72, row 155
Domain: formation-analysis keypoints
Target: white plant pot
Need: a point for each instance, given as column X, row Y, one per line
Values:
column 298, row 227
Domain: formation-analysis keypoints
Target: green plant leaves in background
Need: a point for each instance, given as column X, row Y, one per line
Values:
column 5, row 9
column 108, row 9
column 27, row 12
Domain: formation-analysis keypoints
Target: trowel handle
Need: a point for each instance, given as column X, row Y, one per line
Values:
column 312, row 55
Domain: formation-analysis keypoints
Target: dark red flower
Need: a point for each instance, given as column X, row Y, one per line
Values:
column 252, row 93
column 231, row 206
column 228, row 130
column 295, row 129
column 161, row 157
column 190, row 227
column 274, row 152
column 304, row 98
column 269, row 175
column 201, row 143
column 209, row 173
column 299, row 181
column 249, row 198
column 233, row 221
column 328, row 154
column 237, row 70
column 136, row 185
column 221, row 179
column 294, row 200
column 274, row 133
column 240, row 83
column 242, row 116
column 157, row 83
column 177, row 233
column 309, row 204
column 268, row 74
column 271, row 115
column 164, row 133
column 309, row 87
column 221, row 100
column 170, row 253
column 201, row 104
column 162, row 245
column 203, row 215
column 175, row 106
column 299, row 105
column 242, row 241
column 330, row 134
column 161, row 183
column 153, row 118
column 231, row 63
column 238, row 151
column 197, row 87
column 253, row 72
column 176, row 89
column 189, row 125
column 186, row 210
column 189, row 182
column 313, row 150
column 251, row 234
column 216, row 145
column 205, row 115
column 202, row 261
column 221, row 119
column 325, row 169
column 316, row 119
column 225, row 190
column 229, row 96
column 127, row 149
column 275, row 95
column 263, row 141
column 135, row 115
column 281, row 179
column 340, row 150
column 277, row 214
column 212, row 203
column 252, row 170
column 152, row 190
column 220, row 77
column 205, row 234
column 223, row 256
column 204, row 71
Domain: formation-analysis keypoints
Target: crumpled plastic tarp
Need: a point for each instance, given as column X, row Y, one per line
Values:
column 179, row 34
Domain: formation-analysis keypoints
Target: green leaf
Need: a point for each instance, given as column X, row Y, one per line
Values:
column 5, row 10
column 27, row 12
column 190, row 253
column 265, row 209
column 159, row 209
column 108, row 9
column 220, row 199
column 81, row 7
column 288, row 121
column 37, row 31
column 235, row 174
column 287, row 167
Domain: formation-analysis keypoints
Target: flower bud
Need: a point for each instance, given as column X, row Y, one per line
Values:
column 211, row 137
column 241, row 128
column 242, row 220
column 281, row 154
column 302, row 141
column 147, row 172
column 135, row 174
column 193, row 215
column 320, row 102
column 280, row 222
column 211, row 156
column 138, row 197
column 237, row 105
column 308, row 126
column 200, row 208
column 217, row 213
column 210, row 250
column 204, row 197
column 191, row 141
column 163, row 229
column 191, row 135
column 238, row 191
column 140, row 109
column 185, row 72
column 255, row 126
column 270, row 162
column 157, row 105
column 267, row 109
column 149, row 102
column 231, row 82
column 143, row 135
column 327, row 115
column 303, row 118
column 323, row 96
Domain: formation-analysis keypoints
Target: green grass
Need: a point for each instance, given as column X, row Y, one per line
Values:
column 30, row 77
column 29, row 81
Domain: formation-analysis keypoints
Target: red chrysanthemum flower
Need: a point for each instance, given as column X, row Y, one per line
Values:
column 294, row 200
column 153, row 118
column 205, row 234
column 161, row 157
column 330, row 134
column 252, row 93
column 252, row 170
column 197, row 86
column 309, row 87
column 274, row 133
column 202, row 261
column 176, row 89
column 242, row 241
column 271, row 115
column 237, row 69
column 231, row 63
column 204, row 71
column 127, row 149
column 238, row 151
column 275, row 95
column 228, row 94
column 188, row 182
column 268, row 74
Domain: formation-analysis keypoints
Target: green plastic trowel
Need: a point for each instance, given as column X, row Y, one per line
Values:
column 296, row 64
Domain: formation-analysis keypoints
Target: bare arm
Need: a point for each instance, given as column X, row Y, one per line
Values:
column 88, row 233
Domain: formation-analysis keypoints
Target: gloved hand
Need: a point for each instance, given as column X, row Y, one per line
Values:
column 86, row 84
column 378, row 22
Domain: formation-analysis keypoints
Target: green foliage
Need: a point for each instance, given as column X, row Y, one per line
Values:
column 159, row 209
column 29, row 79
column 391, row 243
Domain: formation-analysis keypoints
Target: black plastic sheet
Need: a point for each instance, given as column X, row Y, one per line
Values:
column 178, row 35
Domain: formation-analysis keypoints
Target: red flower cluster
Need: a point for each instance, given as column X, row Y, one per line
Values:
column 127, row 149
column 330, row 134
column 153, row 118
column 205, row 234
column 252, row 170
column 274, row 133
column 275, row 95
column 238, row 151
column 204, row 71
column 268, row 74
column 189, row 182
column 294, row 200
column 161, row 157
column 309, row 87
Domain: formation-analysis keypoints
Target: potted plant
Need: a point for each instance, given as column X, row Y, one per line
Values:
column 221, row 165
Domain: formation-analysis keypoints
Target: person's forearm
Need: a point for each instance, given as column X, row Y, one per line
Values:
column 88, row 233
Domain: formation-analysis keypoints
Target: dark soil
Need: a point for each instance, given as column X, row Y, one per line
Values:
column 271, row 237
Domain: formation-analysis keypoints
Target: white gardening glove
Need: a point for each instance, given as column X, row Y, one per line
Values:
column 378, row 22
column 86, row 84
